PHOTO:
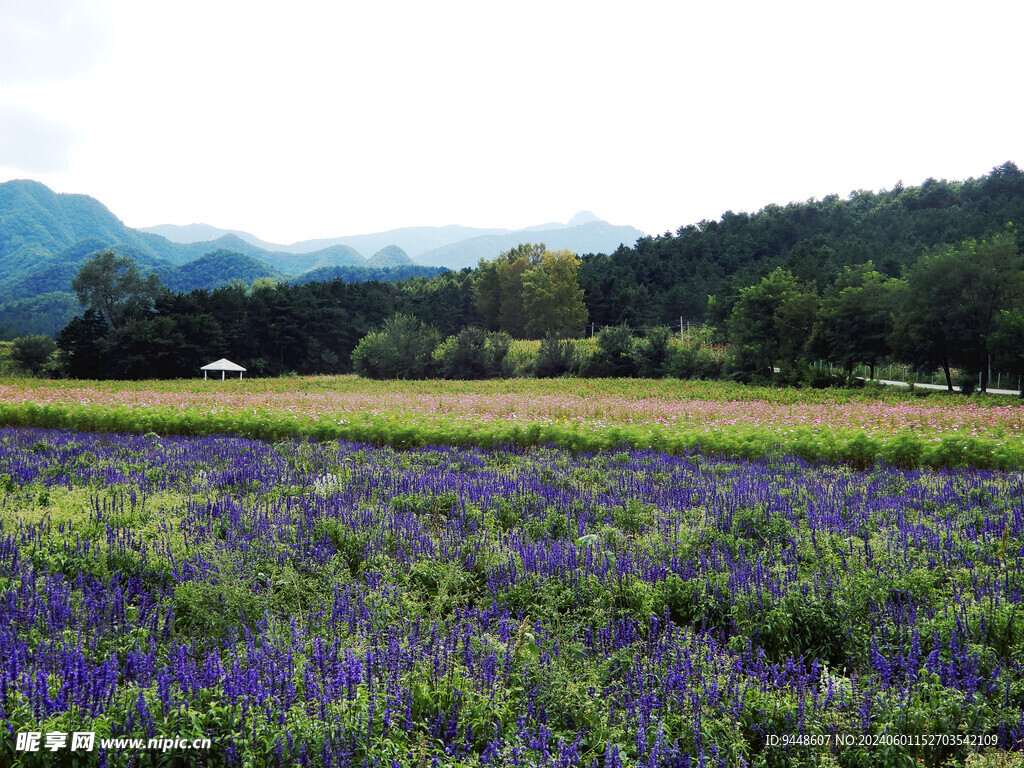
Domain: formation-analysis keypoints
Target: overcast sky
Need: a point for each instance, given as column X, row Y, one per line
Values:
column 317, row 119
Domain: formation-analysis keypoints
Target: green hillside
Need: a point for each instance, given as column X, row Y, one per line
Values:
column 367, row 273
column 390, row 256
column 663, row 278
column 215, row 270
column 45, row 237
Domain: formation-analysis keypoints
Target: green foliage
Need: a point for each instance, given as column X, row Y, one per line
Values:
column 499, row 288
column 496, row 349
column 855, row 319
column 1006, row 342
column 660, row 278
column 552, row 299
column 966, row 383
column 473, row 354
column 555, row 357
column 951, row 308
column 771, row 323
column 272, row 329
column 44, row 314
column 653, row 353
column 530, row 292
column 903, row 451
column 634, row 517
column 114, row 286
column 32, row 353
column 463, row 356
column 616, row 354
column 82, row 343
column 361, row 274
column 208, row 610
column 217, row 269
column 402, row 349
column 390, row 256
column 696, row 360
column 860, row 452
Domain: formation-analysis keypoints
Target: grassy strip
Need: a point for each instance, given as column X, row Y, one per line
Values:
column 906, row 449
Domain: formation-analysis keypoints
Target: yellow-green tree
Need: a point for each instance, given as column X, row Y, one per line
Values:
column 531, row 292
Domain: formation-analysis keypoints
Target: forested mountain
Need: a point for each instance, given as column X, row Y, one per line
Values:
column 390, row 256
column 367, row 273
column 37, row 224
column 288, row 263
column 35, row 221
column 44, row 314
column 215, row 270
column 661, row 279
column 46, row 237
column 205, row 233
column 331, row 256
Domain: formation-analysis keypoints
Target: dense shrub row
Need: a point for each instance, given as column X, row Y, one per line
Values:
column 405, row 348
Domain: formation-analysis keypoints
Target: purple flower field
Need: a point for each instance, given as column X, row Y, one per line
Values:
column 335, row 604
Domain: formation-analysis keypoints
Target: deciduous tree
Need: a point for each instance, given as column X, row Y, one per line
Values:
column 113, row 286
column 552, row 298
column 31, row 353
column 855, row 319
column 402, row 349
column 951, row 306
column 771, row 323
column 531, row 292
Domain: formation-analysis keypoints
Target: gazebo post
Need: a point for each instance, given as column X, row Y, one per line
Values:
column 204, row 375
column 222, row 375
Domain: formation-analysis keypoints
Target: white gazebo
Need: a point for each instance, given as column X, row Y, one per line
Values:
column 223, row 365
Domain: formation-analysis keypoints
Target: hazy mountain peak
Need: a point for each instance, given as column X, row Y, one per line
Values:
column 389, row 256
column 186, row 234
column 583, row 217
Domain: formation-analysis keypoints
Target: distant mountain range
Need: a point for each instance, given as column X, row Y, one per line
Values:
column 452, row 246
column 45, row 237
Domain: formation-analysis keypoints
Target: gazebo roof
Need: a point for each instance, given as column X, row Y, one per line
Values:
column 222, row 365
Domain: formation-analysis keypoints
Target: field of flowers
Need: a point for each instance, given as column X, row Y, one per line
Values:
column 332, row 603
column 674, row 416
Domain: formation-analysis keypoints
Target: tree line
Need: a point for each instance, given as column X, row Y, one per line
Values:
column 134, row 328
column 893, row 276
column 956, row 309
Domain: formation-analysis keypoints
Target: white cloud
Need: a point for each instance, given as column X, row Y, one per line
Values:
column 50, row 39
column 31, row 144
column 313, row 119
